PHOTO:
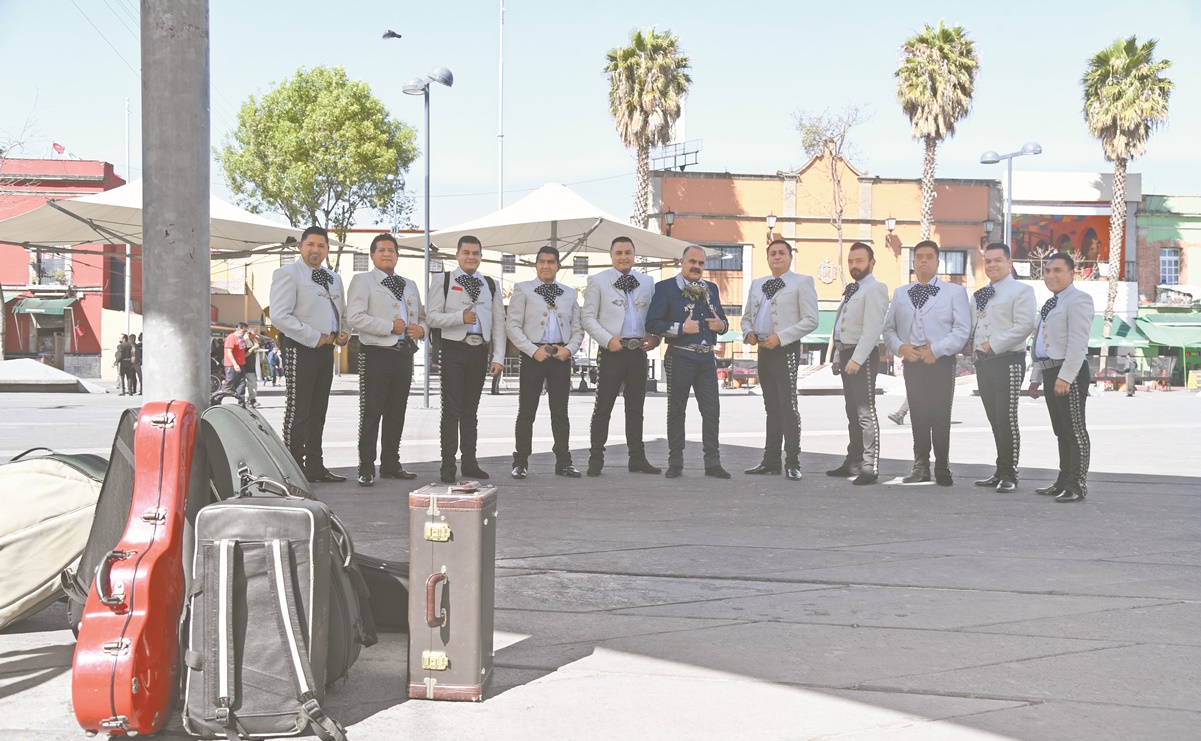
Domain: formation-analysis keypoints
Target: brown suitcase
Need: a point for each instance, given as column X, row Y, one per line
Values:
column 452, row 575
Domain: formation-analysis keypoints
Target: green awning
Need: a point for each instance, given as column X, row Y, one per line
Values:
column 48, row 306
column 825, row 328
column 732, row 336
column 1178, row 330
column 1121, row 334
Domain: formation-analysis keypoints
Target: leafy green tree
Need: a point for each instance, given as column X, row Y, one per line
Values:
column 1125, row 99
column 318, row 149
column 647, row 83
column 935, row 84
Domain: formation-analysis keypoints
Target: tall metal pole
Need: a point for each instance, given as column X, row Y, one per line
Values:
column 500, row 119
column 428, row 358
column 128, row 249
column 175, row 199
column 1009, row 203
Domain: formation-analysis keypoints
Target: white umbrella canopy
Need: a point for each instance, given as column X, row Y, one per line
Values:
column 554, row 215
column 115, row 217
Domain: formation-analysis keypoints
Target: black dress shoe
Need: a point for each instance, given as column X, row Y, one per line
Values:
column 673, row 472
column 1053, row 490
column 763, row 470
column 642, row 467
column 324, row 476
column 865, row 478
column 917, row 477
column 398, row 472
column 942, row 477
column 473, row 470
column 792, row 474
column 594, row 470
column 366, row 479
column 570, row 472
column 519, row 472
column 1070, row 496
column 844, row 470
column 990, row 481
column 447, row 474
column 1005, row 486
column 717, row 472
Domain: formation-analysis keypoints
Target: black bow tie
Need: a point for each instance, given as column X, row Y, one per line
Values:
column 626, row 283
column 772, row 286
column 983, row 296
column 396, row 285
column 550, row 292
column 849, row 291
column 920, row 293
column 322, row 278
column 1048, row 306
column 471, row 283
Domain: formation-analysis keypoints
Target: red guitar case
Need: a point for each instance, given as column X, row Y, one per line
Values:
column 125, row 674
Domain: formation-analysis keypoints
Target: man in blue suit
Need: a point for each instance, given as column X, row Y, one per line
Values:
column 686, row 311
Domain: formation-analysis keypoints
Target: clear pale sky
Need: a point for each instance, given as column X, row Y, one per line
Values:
column 754, row 65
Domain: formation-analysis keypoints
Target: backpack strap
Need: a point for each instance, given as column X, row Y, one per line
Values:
column 226, row 684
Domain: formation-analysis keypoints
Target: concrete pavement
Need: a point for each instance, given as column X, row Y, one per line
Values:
column 636, row 606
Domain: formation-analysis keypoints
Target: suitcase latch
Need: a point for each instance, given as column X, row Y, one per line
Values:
column 116, row 648
column 434, row 660
column 438, row 532
column 165, row 420
column 117, row 723
column 156, row 516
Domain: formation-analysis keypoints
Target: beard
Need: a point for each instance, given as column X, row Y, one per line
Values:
column 858, row 274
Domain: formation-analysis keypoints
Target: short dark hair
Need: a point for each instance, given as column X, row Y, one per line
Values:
column 1065, row 257
column 693, row 247
column 468, row 239
column 926, row 243
column 384, row 238
column 871, row 255
column 998, row 246
column 548, row 250
column 315, row 230
column 784, row 242
column 622, row 239
column 241, row 325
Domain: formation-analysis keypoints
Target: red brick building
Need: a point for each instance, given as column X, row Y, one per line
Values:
column 55, row 303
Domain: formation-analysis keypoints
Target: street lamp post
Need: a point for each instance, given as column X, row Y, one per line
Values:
column 421, row 86
column 991, row 158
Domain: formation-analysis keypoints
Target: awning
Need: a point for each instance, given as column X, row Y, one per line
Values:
column 45, row 306
column 1173, row 330
column 825, row 328
column 1121, row 334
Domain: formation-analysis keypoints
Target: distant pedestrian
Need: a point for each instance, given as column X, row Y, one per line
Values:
column 1131, row 369
column 123, row 362
column 902, row 411
column 250, row 369
column 275, row 364
column 235, row 359
column 137, row 363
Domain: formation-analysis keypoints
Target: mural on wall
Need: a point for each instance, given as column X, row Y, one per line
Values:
column 1085, row 238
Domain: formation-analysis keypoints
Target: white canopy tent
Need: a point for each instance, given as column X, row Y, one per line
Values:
column 554, row 215
column 115, row 217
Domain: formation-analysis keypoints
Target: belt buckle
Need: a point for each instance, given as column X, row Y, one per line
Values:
column 474, row 340
column 631, row 343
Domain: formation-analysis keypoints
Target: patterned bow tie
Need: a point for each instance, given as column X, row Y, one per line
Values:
column 626, row 283
column 772, row 287
column 983, row 296
column 849, row 291
column 920, row 293
column 396, row 285
column 549, row 291
column 322, row 278
column 1048, row 306
column 471, row 283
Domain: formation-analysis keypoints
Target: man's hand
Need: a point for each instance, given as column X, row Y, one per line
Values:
column 614, row 345
column 342, row 338
column 1062, row 387
column 540, row 355
column 325, row 339
column 986, row 347
column 909, row 353
column 650, row 342
column 1034, row 389
column 771, row 342
column 562, row 353
column 469, row 316
column 495, row 370
column 398, row 326
column 715, row 324
column 690, row 326
column 414, row 331
column 750, row 339
column 927, row 355
column 851, row 368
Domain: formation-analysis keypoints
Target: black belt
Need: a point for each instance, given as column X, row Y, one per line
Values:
column 405, row 346
column 699, row 349
column 978, row 356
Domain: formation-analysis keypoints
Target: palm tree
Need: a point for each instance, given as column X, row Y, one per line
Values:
column 935, row 84
column 1125, row 99
column 647, row 83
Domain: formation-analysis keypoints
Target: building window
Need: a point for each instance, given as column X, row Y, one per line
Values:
column 731, row 311
column 115, row 290
column 287, row 258
column 508, row 264
column 579, row 266
column 950, row 262
column 51, row 269
column 362, row 262
column 1169, row 266
column 730, row 259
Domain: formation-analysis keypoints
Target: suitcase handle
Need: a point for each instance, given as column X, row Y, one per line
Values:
column 19, row 456
column 431, row 619
column 108, row 596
